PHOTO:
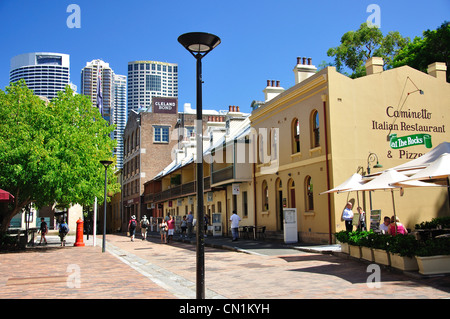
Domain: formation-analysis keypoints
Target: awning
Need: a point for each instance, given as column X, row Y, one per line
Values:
column 5, row 196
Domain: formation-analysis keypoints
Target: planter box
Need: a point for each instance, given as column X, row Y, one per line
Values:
column 432, row 265
column 404, row 263
column 381, row 256
column 367, row 253
column 355, row 251
column 345, row 248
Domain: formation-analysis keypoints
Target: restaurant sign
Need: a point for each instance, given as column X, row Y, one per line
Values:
column 410, row 140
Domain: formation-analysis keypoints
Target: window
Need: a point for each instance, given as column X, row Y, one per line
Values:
column 295, row 136
column 291, row 194
column 153, row 82
column 315, row 134
column 265, row 196
column 309, row 200
column 161, row 134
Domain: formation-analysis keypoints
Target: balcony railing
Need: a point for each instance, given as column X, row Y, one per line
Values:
column 177, row 191
column 223, row 174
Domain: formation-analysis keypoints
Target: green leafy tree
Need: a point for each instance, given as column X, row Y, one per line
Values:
column 50, row 151
column 366, row 42
column 434, row 46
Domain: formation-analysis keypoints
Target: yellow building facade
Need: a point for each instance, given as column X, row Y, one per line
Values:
column 316, row 134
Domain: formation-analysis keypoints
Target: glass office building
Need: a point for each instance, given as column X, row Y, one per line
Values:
column 147, row 79
column 45, row 73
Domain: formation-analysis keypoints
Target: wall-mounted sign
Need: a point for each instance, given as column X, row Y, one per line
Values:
column 164, row 105
column 410, row 140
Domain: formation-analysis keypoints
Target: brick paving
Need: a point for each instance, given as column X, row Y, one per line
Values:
column 149, row 269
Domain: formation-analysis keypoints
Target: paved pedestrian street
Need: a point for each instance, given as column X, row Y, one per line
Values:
column 233, row 270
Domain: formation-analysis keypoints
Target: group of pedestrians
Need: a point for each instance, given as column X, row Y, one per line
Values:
column 63, row 230
column 167, row 227
column 390, row 226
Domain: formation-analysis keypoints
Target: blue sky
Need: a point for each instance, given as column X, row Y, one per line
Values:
column 260, row 39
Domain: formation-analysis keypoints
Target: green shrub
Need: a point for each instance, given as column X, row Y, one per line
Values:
column 433, row 247
column 438, row 222
column 342, row 236
column 404, row 245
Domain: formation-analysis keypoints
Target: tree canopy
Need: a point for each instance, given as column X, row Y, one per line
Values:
column 434, row 46
column 366, row 42
column 50, row 150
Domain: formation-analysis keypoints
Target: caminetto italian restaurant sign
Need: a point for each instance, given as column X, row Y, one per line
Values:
column 408, row 128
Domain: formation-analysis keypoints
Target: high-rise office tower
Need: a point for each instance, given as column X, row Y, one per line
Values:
column 147, row 79
column 45, row 73
column 98, row 78
column 120, row 114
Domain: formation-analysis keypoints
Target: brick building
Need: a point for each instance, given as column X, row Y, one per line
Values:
column 150, row 140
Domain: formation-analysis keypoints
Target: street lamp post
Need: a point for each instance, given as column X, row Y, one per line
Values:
column 106, row 164
column 199, row 44
column 370, row 159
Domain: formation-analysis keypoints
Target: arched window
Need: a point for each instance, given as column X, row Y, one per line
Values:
column 315, row 131
column 309, row 198
column 265, row 196
column 295, row 134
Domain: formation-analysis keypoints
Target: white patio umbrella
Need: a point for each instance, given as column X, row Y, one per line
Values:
column 387, row 181
column 439, row 169
column 354, row 181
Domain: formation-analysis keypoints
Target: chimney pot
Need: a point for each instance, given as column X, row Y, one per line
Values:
column 299, row 60
column 304, row 60
column 309, row 61
column 268, row 82
column 278, row 84
column 237, row 108
column 273, row 83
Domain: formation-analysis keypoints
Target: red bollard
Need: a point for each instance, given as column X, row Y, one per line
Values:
column 79, row 242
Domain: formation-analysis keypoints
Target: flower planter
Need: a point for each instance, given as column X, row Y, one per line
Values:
column 355, row 251
column 345, row 248
column 367, row 253
column 432, row 265
column 381, row 257
column 404, row 263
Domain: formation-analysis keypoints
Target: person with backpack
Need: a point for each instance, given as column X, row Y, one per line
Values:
column 44, row 230
column 132, row 227
column 144, row 225
column 63, row 230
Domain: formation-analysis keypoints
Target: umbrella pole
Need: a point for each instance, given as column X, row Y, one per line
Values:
column 395, row 215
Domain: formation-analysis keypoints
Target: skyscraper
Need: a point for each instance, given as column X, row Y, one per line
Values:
column 147, row 79
column 45, row 73
column 120, row 114
column 94, row 73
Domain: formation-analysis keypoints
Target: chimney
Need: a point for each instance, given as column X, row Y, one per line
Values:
column 438, row 70
column 272, row 90
column 303, row 71
column 374, row 65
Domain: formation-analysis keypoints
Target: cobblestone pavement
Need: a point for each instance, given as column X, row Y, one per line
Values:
column 149, row 269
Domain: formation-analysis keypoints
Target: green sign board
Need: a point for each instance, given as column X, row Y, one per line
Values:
column 410, row 140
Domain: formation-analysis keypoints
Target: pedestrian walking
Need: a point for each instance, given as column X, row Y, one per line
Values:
column 235, row 219
column 347, row 217
column 183, row 227
column 163, row 231
column 190, row 221
column 170, row 228
column 144, row 226
column 206, row 218
column 44, row 230
column 63, row 230
column 132, row 224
